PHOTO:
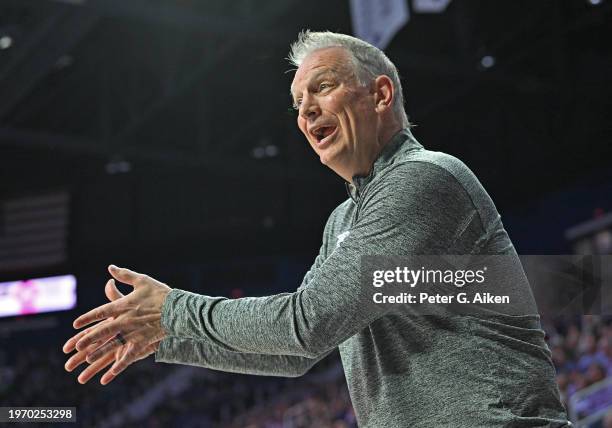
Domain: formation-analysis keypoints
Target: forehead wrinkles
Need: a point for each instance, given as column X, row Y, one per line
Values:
column 340, row 65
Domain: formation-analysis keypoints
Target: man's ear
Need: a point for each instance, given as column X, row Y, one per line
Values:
column 384, row 93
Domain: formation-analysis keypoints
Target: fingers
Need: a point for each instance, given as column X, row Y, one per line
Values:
column 125, row 275
column 128, row 357
column 100, row 332
column 101, row 312
column 75, row 361
column 96, row 344
column 132, row 354
column 111, row 291
column 87, row 342
column 94, row 368
column 79, row 358
column 70, row 344
column 108, row 376
column 109, row 347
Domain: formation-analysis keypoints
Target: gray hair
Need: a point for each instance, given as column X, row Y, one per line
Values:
column 368, row 61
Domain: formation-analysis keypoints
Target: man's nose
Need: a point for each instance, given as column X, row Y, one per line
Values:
column 309, row 109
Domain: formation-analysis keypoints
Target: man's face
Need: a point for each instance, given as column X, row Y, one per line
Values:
column 336, row 114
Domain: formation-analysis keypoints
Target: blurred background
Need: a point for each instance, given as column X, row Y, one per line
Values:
column 158, row 135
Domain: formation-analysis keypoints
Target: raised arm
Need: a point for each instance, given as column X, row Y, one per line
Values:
column 419, row 208
column 106, row 350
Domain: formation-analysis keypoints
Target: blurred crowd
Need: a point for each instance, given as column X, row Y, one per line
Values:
column 36, row 377
column 318, row 399
column 581, row 351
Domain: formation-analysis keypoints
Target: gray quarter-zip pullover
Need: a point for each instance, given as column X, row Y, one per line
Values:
column 402, row 370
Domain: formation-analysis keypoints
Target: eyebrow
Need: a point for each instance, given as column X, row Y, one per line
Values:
column 332, row 71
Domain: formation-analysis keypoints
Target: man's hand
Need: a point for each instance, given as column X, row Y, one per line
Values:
column 80, row 356
column 137, row 317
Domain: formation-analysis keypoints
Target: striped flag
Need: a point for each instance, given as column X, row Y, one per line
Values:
column 34, row 231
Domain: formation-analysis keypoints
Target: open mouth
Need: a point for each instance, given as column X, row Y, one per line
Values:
column 324, row 133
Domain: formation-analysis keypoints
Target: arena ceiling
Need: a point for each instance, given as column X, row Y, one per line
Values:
column 168, row 121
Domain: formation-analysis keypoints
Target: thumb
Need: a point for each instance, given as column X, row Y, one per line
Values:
column 124, row 275
column 111, row 291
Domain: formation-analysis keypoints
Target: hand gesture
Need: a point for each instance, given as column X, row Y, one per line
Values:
column 129, row 328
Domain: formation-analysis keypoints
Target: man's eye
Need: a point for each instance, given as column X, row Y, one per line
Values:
column 323, row 86
column 297, row 104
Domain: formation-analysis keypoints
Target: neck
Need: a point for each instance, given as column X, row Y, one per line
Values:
column 389, row 133
column 384, row 137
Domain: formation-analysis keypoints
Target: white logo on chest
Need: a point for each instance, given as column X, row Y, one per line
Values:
column 341, row 238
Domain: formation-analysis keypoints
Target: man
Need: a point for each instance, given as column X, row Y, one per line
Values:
column 402, row 370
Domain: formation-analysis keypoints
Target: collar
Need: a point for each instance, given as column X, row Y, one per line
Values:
column 400, row 143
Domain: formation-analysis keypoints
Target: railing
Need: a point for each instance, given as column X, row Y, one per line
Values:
column 591, row 404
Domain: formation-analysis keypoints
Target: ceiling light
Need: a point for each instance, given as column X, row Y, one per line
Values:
column 487, row 61
column 6, row 42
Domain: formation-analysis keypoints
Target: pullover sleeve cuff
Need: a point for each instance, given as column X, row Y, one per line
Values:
column 165, row 351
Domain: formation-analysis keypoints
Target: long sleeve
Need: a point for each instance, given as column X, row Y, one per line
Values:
column 205, row 354
column 208, row 355
column 414, row 208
